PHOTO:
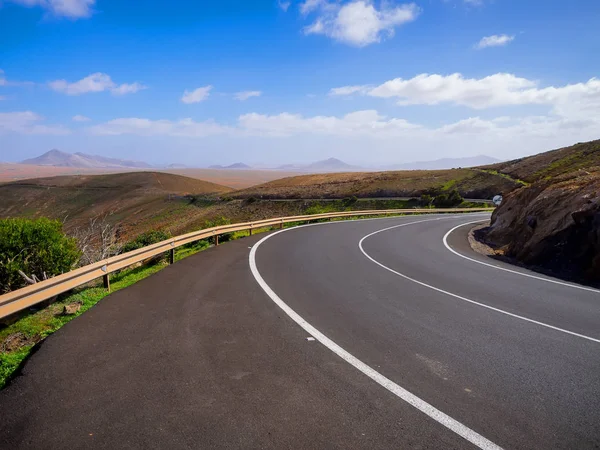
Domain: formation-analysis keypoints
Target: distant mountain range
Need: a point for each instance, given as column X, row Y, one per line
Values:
column 446, row 163
column 58, row 158
column 326, row 165
column 238, row 165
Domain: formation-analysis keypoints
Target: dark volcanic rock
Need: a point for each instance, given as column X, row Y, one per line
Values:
column 554, row 224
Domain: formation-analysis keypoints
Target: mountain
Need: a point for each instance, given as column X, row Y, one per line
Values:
column 447, row 163
column 238, row 165
column 326, row 165
column 58, row 158
column 330, row 165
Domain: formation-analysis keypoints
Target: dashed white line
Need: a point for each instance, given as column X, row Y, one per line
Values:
column 548, row 280
column 418, row 403
column 516, row 316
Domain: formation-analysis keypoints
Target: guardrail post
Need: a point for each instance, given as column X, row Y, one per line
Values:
column 106, row 280
column 250, row 230
column 216, row 240
column 172, row 256
column 281, row 226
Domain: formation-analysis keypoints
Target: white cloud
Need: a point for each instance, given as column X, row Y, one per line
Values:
column 28, row 122
column 147, row 127
column 245, row 95
column 358, row 22
column 367, row 122
column 370, row 136
column 348, row 90
column 284, row 5
column 372, row 130
column 80, row 118
column 72, row 9
column 125, row 88
column 497, row 40
column 501, row 89
column 197, row 95
column 96, row 82
column 309, row 6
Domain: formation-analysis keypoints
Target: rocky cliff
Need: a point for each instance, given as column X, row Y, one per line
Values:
column 554, row 223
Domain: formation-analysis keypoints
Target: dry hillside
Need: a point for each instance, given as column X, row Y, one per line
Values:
column 236, row 179
column 569, row 160
column 471, row 183
column 554, row 223
column 137, row 200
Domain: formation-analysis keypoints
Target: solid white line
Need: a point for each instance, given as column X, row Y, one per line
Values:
column 402, row 393
column 516, row 316
column 583, row 288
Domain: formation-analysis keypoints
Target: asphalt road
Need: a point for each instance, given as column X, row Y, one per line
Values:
column 414, row 347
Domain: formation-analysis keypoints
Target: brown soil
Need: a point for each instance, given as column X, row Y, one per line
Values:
column 16, row 341
column 236, row 179
column 409, row 183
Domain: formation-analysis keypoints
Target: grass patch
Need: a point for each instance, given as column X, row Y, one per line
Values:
column 503, row 175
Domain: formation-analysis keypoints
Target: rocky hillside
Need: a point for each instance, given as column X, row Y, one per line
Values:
column 554, row 222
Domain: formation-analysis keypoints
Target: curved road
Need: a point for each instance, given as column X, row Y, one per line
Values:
column 386, row 333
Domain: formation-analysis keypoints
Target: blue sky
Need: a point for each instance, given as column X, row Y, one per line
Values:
column 270, row 82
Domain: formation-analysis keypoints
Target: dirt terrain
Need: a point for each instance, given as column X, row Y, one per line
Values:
column 471, row 183
column 553, row 223
column 236, row 179
column 136, row 200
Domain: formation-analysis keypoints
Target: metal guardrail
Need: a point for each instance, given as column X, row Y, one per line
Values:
column 26, row 297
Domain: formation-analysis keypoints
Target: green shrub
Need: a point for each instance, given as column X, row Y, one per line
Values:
column 426, row 200
column 455, row 198
column 35, row 247
column 145, row 239
column 219, row 221
column 441, row 201
column 448, row 200
column 348, row 202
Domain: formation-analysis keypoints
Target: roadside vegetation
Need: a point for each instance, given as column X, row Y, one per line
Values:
column 33, row 250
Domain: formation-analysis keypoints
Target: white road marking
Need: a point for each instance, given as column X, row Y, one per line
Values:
column 421, row 405
column 516, row 316
column 583, row 288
